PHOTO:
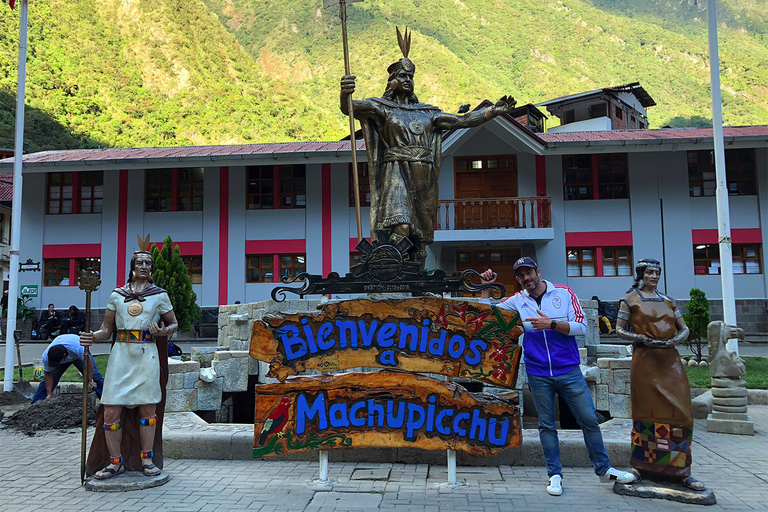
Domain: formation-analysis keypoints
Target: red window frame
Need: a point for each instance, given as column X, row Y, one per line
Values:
column 283, row 186
column 604, row 176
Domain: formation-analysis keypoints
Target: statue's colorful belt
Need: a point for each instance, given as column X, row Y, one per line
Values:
column 131, row 336
column 408, row 154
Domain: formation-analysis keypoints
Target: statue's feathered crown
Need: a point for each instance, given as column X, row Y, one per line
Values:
column 143, row 246
column 404, row 42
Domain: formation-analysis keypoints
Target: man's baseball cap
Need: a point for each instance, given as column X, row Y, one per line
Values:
column 525, row 262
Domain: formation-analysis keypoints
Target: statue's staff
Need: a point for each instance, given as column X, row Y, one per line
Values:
column 343, row 16
column 89, row 282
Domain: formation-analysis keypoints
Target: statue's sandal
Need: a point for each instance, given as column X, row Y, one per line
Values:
column 109, row 472
column 150, row 469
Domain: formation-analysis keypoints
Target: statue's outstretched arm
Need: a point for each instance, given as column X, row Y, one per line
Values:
column 446, row 121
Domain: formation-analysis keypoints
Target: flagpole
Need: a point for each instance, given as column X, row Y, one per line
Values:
column 721, row 193
column 18, row 150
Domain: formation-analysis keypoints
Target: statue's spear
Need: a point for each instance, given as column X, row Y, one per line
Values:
column 89, row 282
column 343, row 16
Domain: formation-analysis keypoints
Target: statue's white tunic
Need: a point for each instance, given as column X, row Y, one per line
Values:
column 133, row 374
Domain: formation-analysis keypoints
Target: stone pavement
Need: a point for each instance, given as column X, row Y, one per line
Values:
column 41, row 473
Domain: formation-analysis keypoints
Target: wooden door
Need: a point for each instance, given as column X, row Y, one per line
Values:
column 485, row 177
column 501, row 260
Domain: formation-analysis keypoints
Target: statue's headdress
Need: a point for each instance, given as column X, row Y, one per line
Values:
column 640, row 269
column 404, row 41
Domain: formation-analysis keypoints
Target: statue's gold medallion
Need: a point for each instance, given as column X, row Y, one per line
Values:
column 135, row 309
column 416, row 126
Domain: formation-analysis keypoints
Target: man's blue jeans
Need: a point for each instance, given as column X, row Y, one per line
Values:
column 40, row 394
column 573, row 388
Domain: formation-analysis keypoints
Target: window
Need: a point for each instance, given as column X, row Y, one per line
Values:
column 75, row 192
column 66, row 271
column 190, row 189
column 364, row 185
column 577, row 176
column 617, row 261
column 595, row 176
column 92, row 264
column 746, row 259
column 570, row 116
column 260, row 267
column 612, row 176
column 619, row 112
column 292, row 265
column 598, row 110
column 261, row 187
column 194, row 267
column 276, row 187
column 174, row 190
column 581, row 262
column 739, row 172
column 56, row 272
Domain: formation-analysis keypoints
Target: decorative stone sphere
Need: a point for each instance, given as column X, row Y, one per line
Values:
column 703, row 363
column 693, row 362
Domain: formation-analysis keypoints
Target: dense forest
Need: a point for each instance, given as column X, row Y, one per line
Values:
column 165, row 72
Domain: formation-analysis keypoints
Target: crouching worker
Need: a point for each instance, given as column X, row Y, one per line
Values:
column 64, row 351
column 129, row 422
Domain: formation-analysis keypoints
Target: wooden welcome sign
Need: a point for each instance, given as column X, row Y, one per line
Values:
column 429, row 335
column 382, row 409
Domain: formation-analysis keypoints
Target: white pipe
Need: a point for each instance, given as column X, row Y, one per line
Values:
column 721, row 193
column 18, row 150
column 323, row 465
column 451, row 467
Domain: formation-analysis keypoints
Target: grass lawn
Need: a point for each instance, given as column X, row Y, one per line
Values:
column 71, row 375
column 756, row 378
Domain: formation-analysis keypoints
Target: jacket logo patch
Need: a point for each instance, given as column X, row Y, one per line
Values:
column 556, row 302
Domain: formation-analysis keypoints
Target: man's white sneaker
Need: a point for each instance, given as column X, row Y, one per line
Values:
column 555, row 487
column 614, row 475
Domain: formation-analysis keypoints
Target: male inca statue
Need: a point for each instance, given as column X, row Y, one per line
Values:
column 729, row 392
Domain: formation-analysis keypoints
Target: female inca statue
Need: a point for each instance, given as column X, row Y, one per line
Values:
column 729, row 391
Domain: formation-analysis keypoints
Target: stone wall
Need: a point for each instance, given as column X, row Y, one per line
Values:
column 609, row 381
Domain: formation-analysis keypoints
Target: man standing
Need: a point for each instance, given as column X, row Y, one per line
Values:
column 62, row 352
column 552, row 317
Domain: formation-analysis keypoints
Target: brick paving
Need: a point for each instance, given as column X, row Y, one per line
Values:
column 41, row 473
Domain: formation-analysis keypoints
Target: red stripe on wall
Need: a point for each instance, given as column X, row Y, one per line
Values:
column 541, row 175
column 223, row 234
column 72, row 251
column 739, row 236
column 297, row 246
column 185, row 248
column 353, row 244
column 595, row 191
column 595, row 238
column 122, row 227
column 327, row 225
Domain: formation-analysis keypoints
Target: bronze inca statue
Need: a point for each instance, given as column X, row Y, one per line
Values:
column 403, row 143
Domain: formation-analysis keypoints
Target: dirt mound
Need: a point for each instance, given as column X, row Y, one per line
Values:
column 57, row 412
column 13, row 398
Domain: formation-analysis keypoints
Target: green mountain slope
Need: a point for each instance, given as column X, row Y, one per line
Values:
column 166, row 72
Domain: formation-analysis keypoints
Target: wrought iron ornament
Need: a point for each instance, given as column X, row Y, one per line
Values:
column 386, row 268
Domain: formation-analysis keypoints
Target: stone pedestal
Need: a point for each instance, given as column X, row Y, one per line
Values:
column 730, row 423
column 665, row 491
column 128, row 481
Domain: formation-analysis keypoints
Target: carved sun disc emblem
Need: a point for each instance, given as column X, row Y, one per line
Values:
column 135, row 309
column 416, row 127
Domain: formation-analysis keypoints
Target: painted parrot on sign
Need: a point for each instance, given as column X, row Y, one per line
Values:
column 276, row 421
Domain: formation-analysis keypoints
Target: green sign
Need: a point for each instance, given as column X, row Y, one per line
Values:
column 30, row 290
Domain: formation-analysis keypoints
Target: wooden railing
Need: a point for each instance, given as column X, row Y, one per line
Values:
column 494, row 213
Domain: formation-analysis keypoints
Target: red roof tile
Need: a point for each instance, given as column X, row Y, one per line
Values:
column 6, row 187
column 659, row 135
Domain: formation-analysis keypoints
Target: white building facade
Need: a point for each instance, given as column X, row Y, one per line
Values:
column 585, row 205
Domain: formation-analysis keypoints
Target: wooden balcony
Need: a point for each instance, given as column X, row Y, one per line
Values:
column 494, row 213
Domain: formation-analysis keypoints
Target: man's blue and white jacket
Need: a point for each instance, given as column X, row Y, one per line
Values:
column 549, row 353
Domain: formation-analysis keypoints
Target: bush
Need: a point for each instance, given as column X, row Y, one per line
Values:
column 697, row 320
column 170, row 273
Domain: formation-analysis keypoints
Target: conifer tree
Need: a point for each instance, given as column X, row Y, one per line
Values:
column 697, row 320
column 170, row 273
